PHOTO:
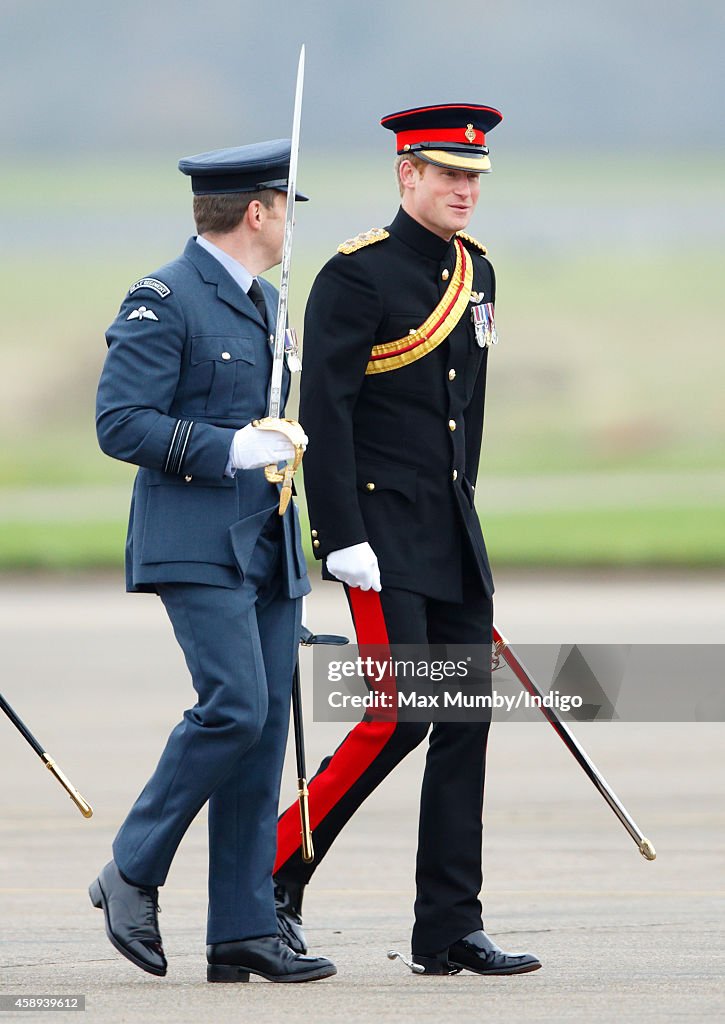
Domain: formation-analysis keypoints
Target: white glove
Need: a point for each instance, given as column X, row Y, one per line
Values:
column 357, row 566
column 252, row 448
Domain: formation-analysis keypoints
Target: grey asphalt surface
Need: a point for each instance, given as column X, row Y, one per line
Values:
column 97, row 675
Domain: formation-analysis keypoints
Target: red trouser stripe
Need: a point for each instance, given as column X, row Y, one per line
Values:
column 362, row 744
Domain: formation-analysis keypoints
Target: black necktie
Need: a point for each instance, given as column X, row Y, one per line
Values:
column 255, row 294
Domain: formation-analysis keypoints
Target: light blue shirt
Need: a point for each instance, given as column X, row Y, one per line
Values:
column 244, row 279
column 233, row 267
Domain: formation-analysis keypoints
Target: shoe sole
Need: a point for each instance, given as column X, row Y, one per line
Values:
column 526, row 969
column 98, row 900
column 229, row 973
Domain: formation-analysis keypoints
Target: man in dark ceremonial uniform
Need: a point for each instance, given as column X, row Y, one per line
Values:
column 186, row 375
column 398, row 330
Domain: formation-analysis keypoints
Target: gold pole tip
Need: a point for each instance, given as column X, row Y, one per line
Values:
column 647, row 850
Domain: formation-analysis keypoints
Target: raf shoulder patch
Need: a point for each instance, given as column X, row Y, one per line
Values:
column 364, row 238
column 142, row 313
column 153, row 284
column 472, row 242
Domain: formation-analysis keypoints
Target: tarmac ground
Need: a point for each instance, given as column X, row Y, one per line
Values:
column 97, row 675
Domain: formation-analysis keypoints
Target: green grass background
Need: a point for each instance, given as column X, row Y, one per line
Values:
column 611, row 359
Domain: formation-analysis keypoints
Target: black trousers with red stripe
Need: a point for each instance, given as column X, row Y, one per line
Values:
column 448, row 865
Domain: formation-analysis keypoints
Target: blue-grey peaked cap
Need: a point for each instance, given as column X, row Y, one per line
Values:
column 240, row 169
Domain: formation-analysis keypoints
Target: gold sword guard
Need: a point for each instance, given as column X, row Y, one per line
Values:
column 294, row 432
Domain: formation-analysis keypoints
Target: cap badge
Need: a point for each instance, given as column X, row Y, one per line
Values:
column 469, row 133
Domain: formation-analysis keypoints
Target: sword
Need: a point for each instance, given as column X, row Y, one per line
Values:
column 84, row 807
column 272, row 420
column 307, row 639
column 501, row 649
column 303, row 793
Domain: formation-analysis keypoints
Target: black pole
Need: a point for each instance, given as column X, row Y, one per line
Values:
column 504, row 650
column 308, row 849
column 83, row 806
column 21, row 726
column 307, row 639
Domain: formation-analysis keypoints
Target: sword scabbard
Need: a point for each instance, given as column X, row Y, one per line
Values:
column 308, row 849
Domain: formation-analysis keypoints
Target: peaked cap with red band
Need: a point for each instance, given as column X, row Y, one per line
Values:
column 449, row 135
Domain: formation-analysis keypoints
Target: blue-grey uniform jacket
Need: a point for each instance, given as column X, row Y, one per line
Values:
column 189, row 363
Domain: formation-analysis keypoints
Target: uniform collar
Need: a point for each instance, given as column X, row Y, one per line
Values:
column 419, row 238
column 234, row 268
column 228, row 289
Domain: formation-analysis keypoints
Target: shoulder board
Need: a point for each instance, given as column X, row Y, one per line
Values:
column 152, row 284
column 471, row 241
column 363, row 239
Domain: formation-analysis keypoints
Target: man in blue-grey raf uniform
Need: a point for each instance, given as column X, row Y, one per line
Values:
column 187, row 372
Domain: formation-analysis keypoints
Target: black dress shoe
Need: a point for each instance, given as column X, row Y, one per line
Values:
column 288, row 904
column 132, row 923
column 478, row 953
column 269, row 957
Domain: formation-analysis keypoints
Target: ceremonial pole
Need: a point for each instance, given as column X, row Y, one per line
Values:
column 84, row 807
column 502, row 649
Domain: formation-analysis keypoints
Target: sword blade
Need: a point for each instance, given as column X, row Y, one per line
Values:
column 275, row 391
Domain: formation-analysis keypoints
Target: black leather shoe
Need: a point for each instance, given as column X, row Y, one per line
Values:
column 132, row 923
column 269, row 957
column 288, row 904
column 478, row 953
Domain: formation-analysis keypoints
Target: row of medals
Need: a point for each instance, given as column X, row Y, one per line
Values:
column 484, row 324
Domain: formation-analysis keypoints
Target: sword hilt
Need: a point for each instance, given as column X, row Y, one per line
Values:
column 296, row 436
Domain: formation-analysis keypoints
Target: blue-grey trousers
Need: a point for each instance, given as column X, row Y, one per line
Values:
column 240, row 646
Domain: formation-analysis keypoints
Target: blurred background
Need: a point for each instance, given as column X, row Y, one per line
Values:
column 604, row 216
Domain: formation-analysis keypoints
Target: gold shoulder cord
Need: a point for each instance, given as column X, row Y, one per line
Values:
column 363, row 239
column 473, row 242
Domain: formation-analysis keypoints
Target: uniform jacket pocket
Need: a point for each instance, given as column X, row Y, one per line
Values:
column 188, row 522
column 374, row 475
column 223, row 357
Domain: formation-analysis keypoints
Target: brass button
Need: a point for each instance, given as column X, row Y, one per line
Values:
column 370, row 486
column 451, row 424
column 315, row 543
column 451, row 374
column 226, row 355
column 455, row 474
column 188, row 478
column 313, row 532
column 445, row 274
column 406, row 148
